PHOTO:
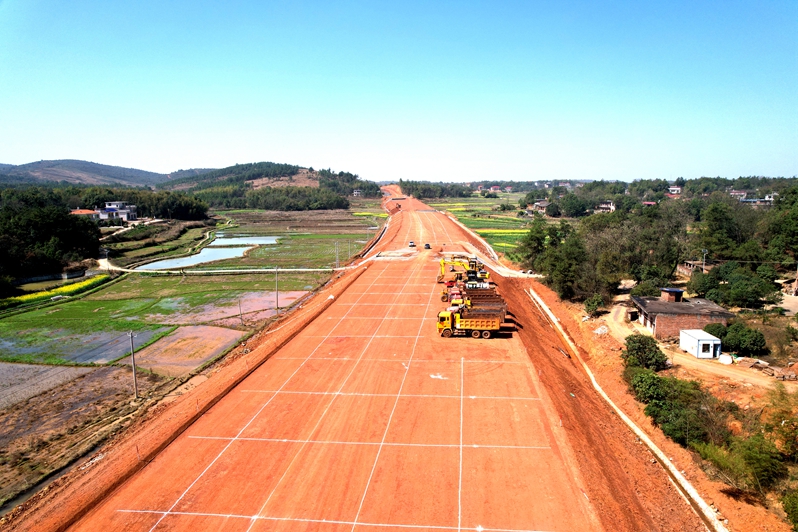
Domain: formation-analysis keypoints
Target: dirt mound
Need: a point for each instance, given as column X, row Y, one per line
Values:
column 656, row 494
column 629, row 490
column 304, row 178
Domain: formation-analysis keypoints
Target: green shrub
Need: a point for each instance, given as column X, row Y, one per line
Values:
column 647, row 386
column 762, row 458
column 744, row 340
column 731, row 467
column 717, row 330
column 593, row 303
column 646, row 288
column 781, row 420
column 790, row 503
column 643, row 351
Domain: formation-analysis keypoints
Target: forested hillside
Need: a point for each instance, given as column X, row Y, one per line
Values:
column 423, row 190
column 244, row 186
column 80, row 172
column 39, row 235
column 752, row 246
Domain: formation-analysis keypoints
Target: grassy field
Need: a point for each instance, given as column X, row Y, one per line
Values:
column 129, row 252
column 501, row 229
column 92, row 329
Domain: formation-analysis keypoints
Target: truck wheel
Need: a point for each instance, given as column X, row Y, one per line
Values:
column 486, row 334
column 444, row 298
column 474, row 334
column 447, row 333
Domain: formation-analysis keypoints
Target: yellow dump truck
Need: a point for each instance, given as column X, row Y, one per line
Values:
column 473, row 322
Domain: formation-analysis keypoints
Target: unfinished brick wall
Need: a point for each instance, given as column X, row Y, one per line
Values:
column 669, row 325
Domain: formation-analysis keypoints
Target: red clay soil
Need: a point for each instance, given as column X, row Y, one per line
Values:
column 628, row 487
column 602, row 354
column 354, row 414
column 68, row 498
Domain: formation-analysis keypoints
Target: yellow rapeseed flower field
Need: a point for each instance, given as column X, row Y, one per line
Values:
column 503, row 231
column 65, row 290
column 375, row 214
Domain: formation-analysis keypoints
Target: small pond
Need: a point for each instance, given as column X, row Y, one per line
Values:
column 225, row 247
column 224, row 241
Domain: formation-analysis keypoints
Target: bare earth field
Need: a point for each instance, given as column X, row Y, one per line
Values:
column 255, row 306
column 19, row 382
column 46, row 432
column 185, row 349
column 366, row 419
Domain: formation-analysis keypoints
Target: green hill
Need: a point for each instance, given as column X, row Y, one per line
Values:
column 85, row 172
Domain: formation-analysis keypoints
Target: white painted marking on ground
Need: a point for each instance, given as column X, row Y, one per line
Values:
column 390, row 417
column 438, row 376
column 329, row 521
column 460, row 480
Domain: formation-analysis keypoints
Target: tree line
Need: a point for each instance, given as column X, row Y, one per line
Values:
column 422, row 190
column 39, row 235
column 646, row 243
column 753, row 457
column 231, row 188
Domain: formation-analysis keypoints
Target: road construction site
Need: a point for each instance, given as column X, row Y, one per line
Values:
column 359, row 412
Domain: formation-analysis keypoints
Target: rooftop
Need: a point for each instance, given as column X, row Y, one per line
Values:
column 654, row 305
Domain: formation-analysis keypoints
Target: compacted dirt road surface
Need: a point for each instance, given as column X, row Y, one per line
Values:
column 368, row 420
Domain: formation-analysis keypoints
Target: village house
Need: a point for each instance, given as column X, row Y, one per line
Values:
column 667, row 315
column 118, row 209
column 605, row 206
column 93, row 215
column 739, row 194
column 687, row 267
column 675, row 190
column 356, row 192
column 538, row 206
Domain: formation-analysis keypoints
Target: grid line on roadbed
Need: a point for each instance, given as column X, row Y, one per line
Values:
column 390, row 418
column 218, row 456
column 419, row 395
column 446, row 360
column 327, row 408
column 328, row 521
column 387, row 444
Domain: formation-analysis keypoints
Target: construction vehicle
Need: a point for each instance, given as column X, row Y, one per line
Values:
column 456, row 289
column 469, row 322
column 474, row 269
column 473, row 306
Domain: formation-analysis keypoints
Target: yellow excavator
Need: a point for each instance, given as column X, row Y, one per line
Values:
column 474, row 269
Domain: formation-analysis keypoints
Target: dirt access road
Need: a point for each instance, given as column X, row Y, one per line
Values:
column 370, row 421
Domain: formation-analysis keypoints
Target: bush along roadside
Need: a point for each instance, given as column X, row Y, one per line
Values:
column 759, row 456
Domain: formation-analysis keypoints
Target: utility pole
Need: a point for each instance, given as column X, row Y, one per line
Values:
column 704, row 263
column 240, row 315
column 133, row 360
column 276, row 291
column 336, row 254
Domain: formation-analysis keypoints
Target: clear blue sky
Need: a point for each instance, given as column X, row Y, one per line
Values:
column 448, row 91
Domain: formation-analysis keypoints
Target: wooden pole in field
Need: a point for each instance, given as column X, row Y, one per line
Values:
column 133, row 360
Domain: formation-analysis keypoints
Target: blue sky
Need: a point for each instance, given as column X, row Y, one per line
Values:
column 451, row 91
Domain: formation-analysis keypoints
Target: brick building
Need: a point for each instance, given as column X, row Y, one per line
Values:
column 670, row 313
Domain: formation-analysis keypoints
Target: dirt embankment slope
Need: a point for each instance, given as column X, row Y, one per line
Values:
column 608, row 436
column 628, row 488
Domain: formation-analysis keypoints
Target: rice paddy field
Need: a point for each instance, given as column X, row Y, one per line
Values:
column 501, row 229
column 92, row 329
